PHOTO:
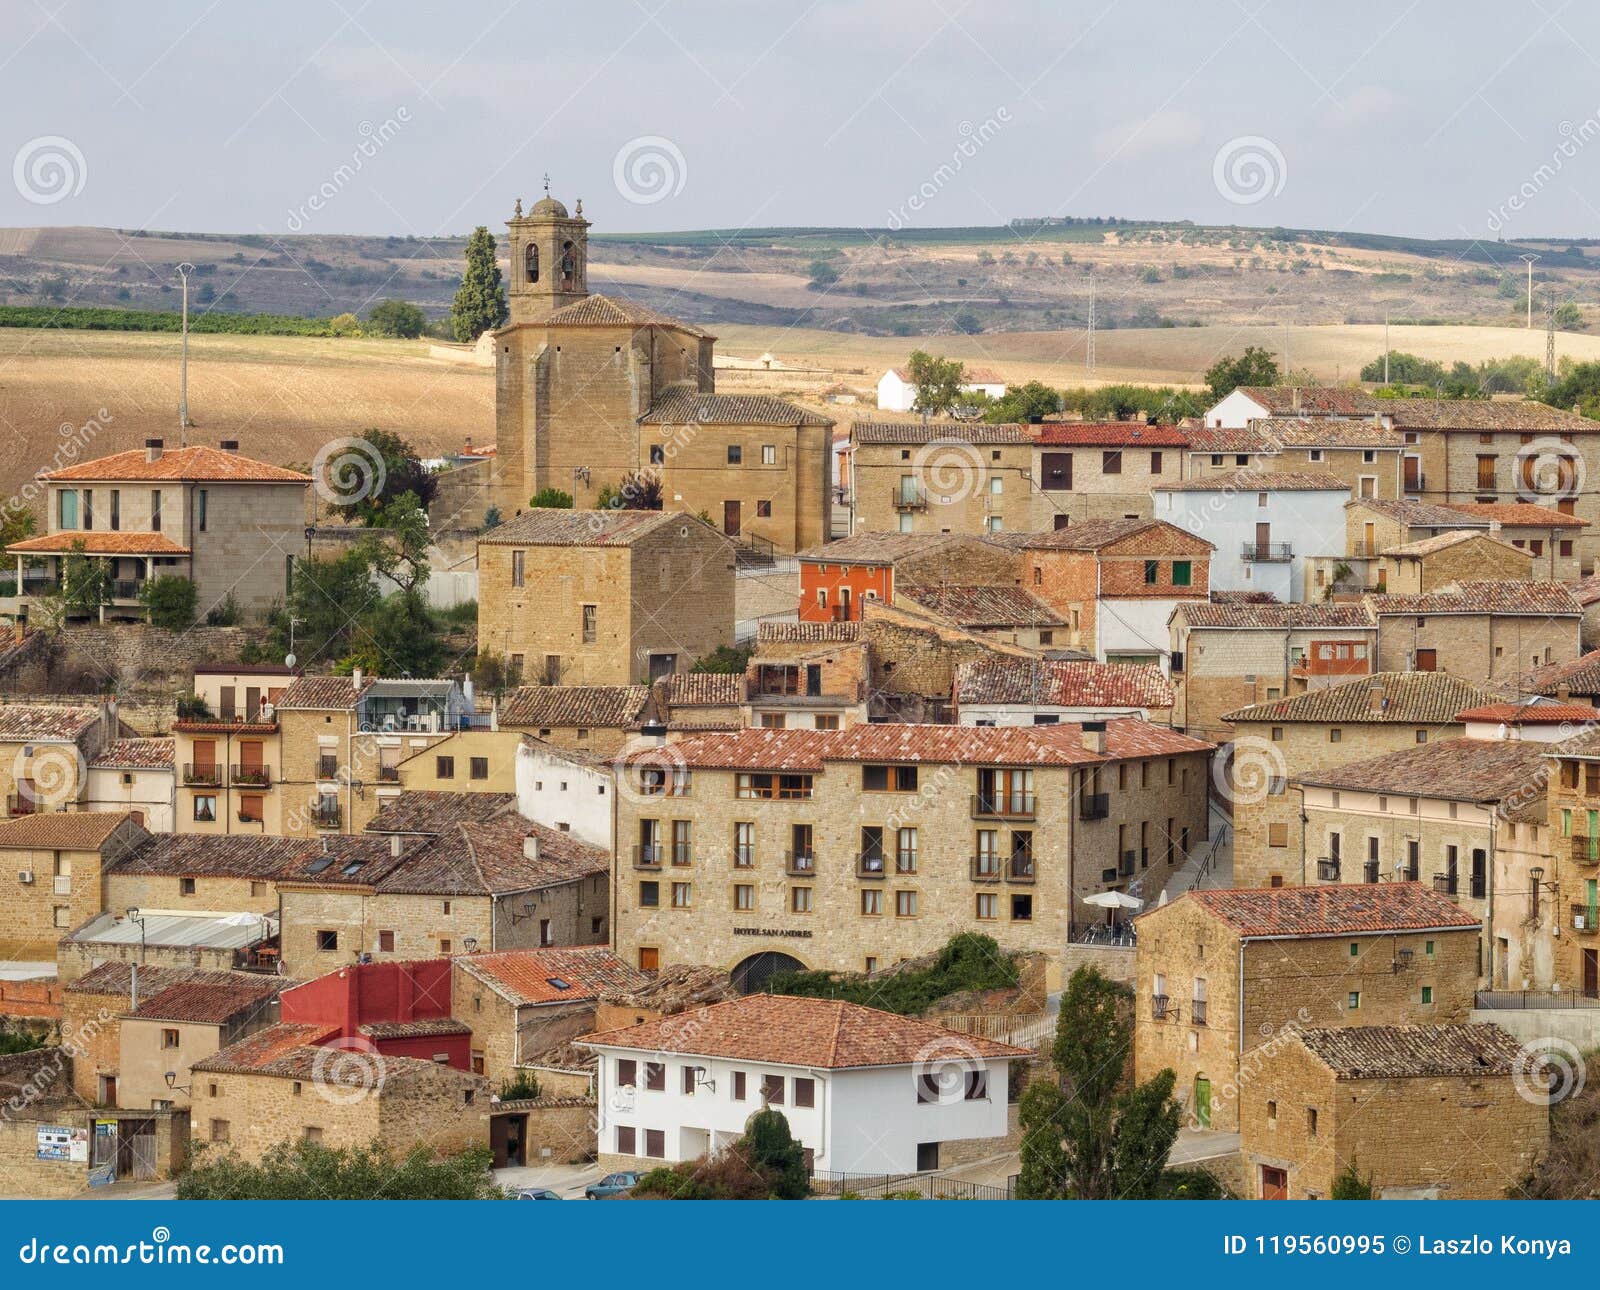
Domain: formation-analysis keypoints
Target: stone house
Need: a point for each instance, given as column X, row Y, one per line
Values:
column 1008, row 614
column 952, row 477
column 699, row 701
column 1327, row 1099
column 863, row 1091
column 1086, row 471
column 185, row 1022
column 1045, row 692
column 1574, row 679
column 230, row 525
column 1430, row 564
column 1550, row 536
column 523, row 1003
column 593, row 719
column 856, row 848
column 1321, row 730
column 1227, row 655
column 1571, row 862
column 1115, row 582
column 1363, row 455
column 1468, row 816
column 808, row 679
column 50, row 873
column 1224, row 977
column 604, row 597
column 839, row 579
column 45, row 749
column 136, row 777
column 202, row 873
column 209, row 940
column 568, row 791
column 468, row 761
column 1483, row 629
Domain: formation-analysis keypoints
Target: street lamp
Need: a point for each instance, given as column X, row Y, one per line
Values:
column 184, row 270
column 135, row 917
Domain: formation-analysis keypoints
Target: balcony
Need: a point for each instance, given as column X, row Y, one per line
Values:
column 647, row 856
column 870, row 865
column 208, row 775
column 327, row 767
column 799, row 865
column 21, row 804
column 327, row 816
column 1585, row 919
column 1197, row 1012
column 125, row 589
column 1446, row 884
column 1160, row 1007
column 1327, row 870
column 987, row 868
column 1020, row 869
column 388, row 774
column 1369, row 871
column 1267, row 552
column 910, row 499
column 1002, row 806
column 1125, row 867
column 1094, row 806
column 252, row 776
column 1586, row 850
column 62, row 884
column 1410, row 873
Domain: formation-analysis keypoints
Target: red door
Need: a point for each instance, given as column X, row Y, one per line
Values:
column 1427, row 660
column 1274, row 1183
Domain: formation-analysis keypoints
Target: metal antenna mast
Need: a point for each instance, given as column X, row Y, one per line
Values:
column 1550, row 336
column 1088, row 357
column 1528, row 260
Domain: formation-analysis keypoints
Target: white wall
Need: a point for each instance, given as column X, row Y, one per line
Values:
column 151, row 793
column 1134, row 627
column 559, row 793
column 878, row 1122
column 1311, row 522
column 1234, row 411
column 1015, row 714
column 894, row 394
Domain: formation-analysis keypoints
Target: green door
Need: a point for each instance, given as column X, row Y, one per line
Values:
column 1202, row 1101
column 1594, row 835
column 1591, row 896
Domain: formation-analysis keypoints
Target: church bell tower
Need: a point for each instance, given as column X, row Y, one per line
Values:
column 549, row 258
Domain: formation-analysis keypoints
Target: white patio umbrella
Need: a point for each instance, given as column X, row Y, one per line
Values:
column 1114, row 900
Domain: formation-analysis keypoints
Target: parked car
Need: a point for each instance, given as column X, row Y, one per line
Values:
column 611, row 1185
column 535, row 1193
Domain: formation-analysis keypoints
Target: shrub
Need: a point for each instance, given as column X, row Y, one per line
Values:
column 520, row 1087
column 171, row 600
column 552, row 499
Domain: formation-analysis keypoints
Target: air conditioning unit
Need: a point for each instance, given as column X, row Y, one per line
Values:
column 25, row 877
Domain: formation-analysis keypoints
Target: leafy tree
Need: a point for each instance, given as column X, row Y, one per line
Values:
column 551, row 499
column 19, row 1041
column 85, row 587
column 725, row 658
column 345, row 324
column 171, row 600
column 1568, row 317
column 495, row 673
column 327, row 595
column 521, row 1087
column 968, row 323
column 1350, row 1185
column 1255, row 366
column 636, row 492
column 1022, row 403
column 765, row 1164
column 969, row 961
column 1041, row 1117
column 403, row 472
column 480, row 301
column 396, row 318
column 15, row 525
column 772, row 1149
column 937, row 381
column 823, row 275
column 491, row 518
column 402, row 557
column 225, row 613
column 396, row 636
column 1405, row 369
column 295, row 1170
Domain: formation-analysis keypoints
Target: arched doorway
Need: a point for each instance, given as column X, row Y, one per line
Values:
column 754, row 972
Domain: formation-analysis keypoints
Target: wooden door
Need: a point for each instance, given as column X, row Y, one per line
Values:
column 1591, row 974
column 1427, row 660
column 1413, row 474
column 649, row 959
column 1274, row 1183
column 731, row 518
column 1263, row 539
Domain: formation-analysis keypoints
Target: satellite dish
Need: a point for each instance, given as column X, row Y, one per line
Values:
column 288, row 660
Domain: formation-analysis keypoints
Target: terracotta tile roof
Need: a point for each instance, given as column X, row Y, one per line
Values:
column 1258, row 481
column 1444, row 541
column 1313, row 400
column 920, row 433
column 615, row 311
column 1462, row 770
column 1482, row 414
column 425, row 1028
column 1532, row 714
column 1111, row 434
column 1507, row 596
column 1408, row 698
column 1518, row 514
column 1311, row 616
column 1042, row 683
column 1096, row 535
column 885, row 548
column 983, row 606
column 1404, row 1052
column 264, row 1052
column 426, row 812
column 543, row 707
column 1586, row 590
column 100, row 542
column 203, row 855
column 808, row 633
column 23, row 722
column 208, row 1001
column 489, row 858
column 1058, row 745
column 828, row 1034
column 323, row 693
column 1329, row 909
column 1318, row 432
column 1580, row 675
column 680, row 407
column 704, row 689
column 1420, row 514
column 201, row 464
column 547, row 527
column 135, row 754
column 531, row 976
column 225, row 727
column 63, row 830
column 116, row 977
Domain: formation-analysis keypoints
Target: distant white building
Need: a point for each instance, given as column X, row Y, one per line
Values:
column 896, row 393
column 1251, row 402
column 1265, row 524
column 569, row 791
column 863, row 1091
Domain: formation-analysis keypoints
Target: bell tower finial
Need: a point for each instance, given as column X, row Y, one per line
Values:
column 547, row 183
column 517, row 214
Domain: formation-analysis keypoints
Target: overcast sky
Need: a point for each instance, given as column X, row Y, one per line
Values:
column 1434, row 118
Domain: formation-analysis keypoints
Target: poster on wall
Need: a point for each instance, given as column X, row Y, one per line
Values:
column 62, row 1142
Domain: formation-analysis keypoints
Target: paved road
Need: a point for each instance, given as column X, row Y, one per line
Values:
column 567, row 1181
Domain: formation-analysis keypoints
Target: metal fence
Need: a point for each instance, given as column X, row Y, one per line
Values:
column 925, row 1186
column 1504, row 1000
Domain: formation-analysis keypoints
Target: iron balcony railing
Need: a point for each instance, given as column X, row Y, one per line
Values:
column 388, row 774
column 1129, row 859
column 1197, row 1012
column 193, row 774
column 799, row 864
column 252, row 776
column 1094, row 806
column 1446, row 884
column 1328, row 870
column 1369, row 871
column 1020, row 869
column 327, row 817
column 869, row 864
column 1005, row 806
column 1270, row 552
column 647, row 856
column 1586, row 919
column 327, row 768
column 910, row 499
column 1586, row 850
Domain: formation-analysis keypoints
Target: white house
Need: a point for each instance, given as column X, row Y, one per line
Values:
column 1265, row 524
column 896, row 393
column 135, row 775
column 863, row 1091
column 561, row 789
column 1237, row 410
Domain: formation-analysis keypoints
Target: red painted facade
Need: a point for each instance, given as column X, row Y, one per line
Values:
column 366, row 994
column 843, row 587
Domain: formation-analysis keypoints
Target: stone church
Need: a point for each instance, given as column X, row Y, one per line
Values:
column 591, row 389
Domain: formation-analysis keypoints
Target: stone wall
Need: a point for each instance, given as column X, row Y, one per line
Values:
column 561, row 1130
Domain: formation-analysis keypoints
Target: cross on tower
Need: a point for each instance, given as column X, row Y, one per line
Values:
column 547, row 183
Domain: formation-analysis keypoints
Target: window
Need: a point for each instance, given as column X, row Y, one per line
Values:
column 1277, row 734
column 655, row 1076
column 186, row 886
column 905, row 904
column 1022, row 909
column 1152, row 572
column 649, row 895
column 765, row 785
column 478, row 768
column 738, row 1086
column 519, row 568
column 689, row 1080
column 155, row 510
column 1427, row 994
column 805, row 1092
column 1311, row 1121
column 769, row 454
column 1155, row 463
column 977, row 1086
column 169, row 1038
column 800, row 900
column 1111, row 462
column 681, row 892
column 1277, row 835
column 313, row 1133
column 889, row 779
column 205, row 808
column 327, row 941
column 590, row 632
column 386, row 942
column 627, row 1073
column 872, row 902
column 772, row 1090
column 744, row 845
column 252, row 808
column 1181, row 575
column 658, row 455
column 626, row 1141
column 735, row 454
column 988, row 906
column 203, row 500
column 744, row 896
column 1354, row 1001
column 1335, row 735
column 1272, row 1114
column 444, row 767
column 763, row 510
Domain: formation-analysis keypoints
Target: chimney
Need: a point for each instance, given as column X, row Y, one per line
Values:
column 153, row 449
column 394, row 845
column 229, row 445
column 1563, row 692
column 655, row 732
column 530, row 846
column 1094, row 736
column 1494, row 528
column 355, row 677
column 1296, row 396
column 1375, row 699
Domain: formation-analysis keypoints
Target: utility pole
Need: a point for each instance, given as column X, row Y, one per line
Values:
column 1088, row 356
column 184, row 270
column 1386, row 347
column 1528, row 260
column 1550, row 337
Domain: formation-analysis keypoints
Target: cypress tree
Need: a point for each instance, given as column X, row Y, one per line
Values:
column 480, row 303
